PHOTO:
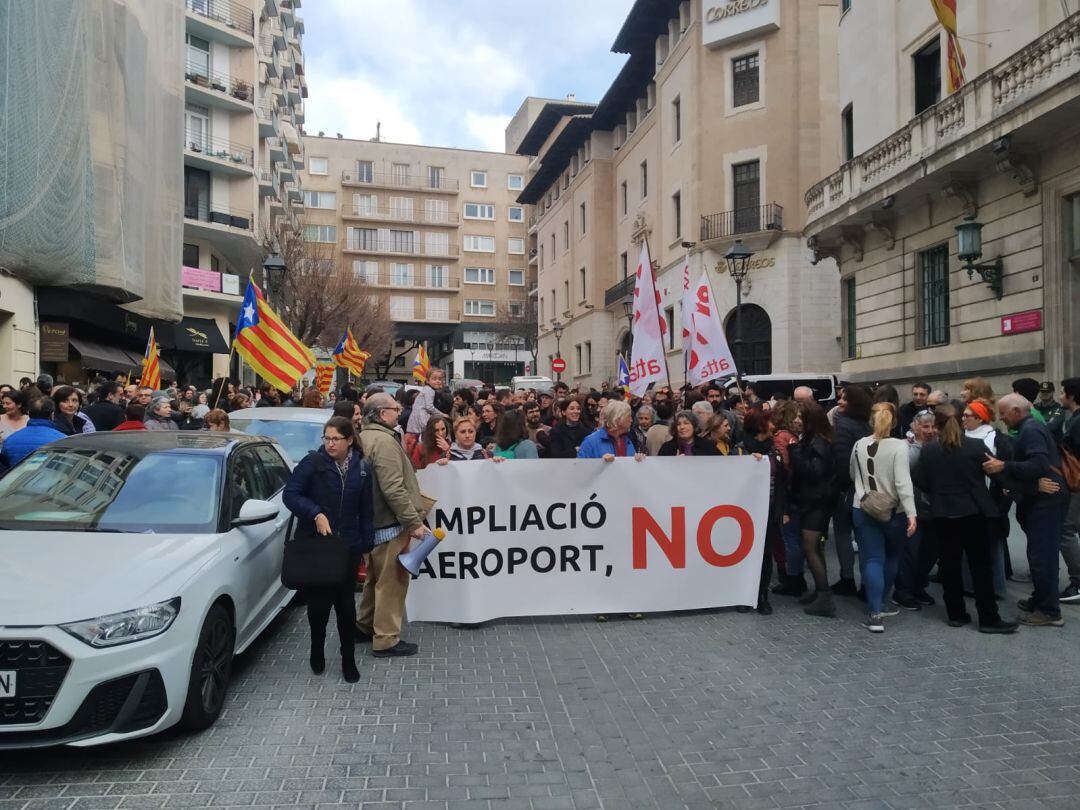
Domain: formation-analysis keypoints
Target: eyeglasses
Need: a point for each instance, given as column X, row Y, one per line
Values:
column 924, row 412
column 394, row 408
column 967, row 415
column 334, row 439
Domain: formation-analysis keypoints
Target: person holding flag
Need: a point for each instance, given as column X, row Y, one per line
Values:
column 423, row 407
column 421, row 366
column 151, row 365
column 267, row 345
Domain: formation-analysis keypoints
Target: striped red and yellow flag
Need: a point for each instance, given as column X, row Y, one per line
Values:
column 151, row 365
column 946, row 14
column 421, row 365
column 348, row 354
column 266, row 343
column 324, row 377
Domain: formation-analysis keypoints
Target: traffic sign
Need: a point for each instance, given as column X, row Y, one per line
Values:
column 558, row 365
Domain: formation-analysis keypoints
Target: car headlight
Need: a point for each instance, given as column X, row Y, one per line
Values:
column 123, row 628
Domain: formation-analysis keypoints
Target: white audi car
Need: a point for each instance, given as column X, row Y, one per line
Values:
column 135, row 566
column 297, row 430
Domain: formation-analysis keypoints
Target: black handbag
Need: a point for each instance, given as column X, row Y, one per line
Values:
column 318, row 561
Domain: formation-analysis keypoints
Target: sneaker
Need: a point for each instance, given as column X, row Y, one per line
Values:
column 924, row 599
column 888, row 613
column 874, row 623
column 400, row 649
column 906, row 602
column 1040, row 619
column 1000, row 626
column 635, row 616
column 600, row 617
column 1026, row 605
column 1070, row 595
column 960, row 621
column 844, row 587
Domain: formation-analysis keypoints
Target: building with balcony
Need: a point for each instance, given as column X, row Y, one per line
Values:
column 954, row 217
column 244, row 87
column 702, row 139
column 437, row 232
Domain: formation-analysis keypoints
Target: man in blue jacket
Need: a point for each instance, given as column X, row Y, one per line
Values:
column 612, row 438
column 1041, row 514
column 39, row 431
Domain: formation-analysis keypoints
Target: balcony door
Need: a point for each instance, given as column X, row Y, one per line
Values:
column 198, row 55
column 746, row 182
column 196, row 194
column 197, row 127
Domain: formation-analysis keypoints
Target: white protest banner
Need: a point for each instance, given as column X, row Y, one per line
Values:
column 552, row 537
column 711, row 356
column 648, row 360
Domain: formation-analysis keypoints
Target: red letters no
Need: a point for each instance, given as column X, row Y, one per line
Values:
column 704, row 536
column 674, row 547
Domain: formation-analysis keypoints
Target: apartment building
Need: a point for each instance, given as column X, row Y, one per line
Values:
column 244, row 87
column 440, row 234
column 704, row 138
column 954, row 213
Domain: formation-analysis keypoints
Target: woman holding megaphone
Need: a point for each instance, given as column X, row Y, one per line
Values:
column 331, row 492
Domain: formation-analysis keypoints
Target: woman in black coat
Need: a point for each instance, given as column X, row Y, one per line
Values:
column 685, row 440
column 852, row 423
column 814, row 491
column 757, row 441
column 566, row 437
column 950, row 472
column 331, row 493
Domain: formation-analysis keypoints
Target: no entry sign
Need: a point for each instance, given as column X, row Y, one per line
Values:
column 558, row 365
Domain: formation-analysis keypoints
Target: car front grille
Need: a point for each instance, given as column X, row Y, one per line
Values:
column 40, row 669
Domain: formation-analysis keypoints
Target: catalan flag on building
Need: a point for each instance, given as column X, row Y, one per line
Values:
column 267, row 344
column 151, row 365
column 421, row 365
column 324, row 377
column 946, row 14
column 348, row 354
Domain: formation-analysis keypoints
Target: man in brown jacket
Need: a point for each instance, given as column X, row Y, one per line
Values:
column 399, row 516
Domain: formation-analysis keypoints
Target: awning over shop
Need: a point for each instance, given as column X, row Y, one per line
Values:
column 196, row 335
column 104, row 358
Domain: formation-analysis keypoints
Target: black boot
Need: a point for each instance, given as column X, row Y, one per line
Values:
column 791, row 586
column 763, row 606
column 317, row 659
column 348, row 665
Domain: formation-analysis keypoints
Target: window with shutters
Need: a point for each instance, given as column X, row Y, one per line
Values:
column 363, row 239
column 401, row 275
column 366, row 271
column 932, row 297
column 438, row 275
column 399, row 174
column 744, row 80
column 746, row 181
column 402, row 241
column 401, row 307
column 365, row 171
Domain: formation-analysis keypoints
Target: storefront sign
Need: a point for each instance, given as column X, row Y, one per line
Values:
column 756, row 263
column 196, row 279
column 1030, row 321
column 735, row 19
column 54, row 342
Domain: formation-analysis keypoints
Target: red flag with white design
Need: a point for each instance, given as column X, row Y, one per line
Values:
column 649, row 362
column 710, row 356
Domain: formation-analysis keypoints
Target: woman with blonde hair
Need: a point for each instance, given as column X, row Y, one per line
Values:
column 976, row 388
column 883, row 509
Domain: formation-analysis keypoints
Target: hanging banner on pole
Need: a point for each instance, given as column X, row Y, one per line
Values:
column 710, row 357
column 618, row 537
column 648, row 362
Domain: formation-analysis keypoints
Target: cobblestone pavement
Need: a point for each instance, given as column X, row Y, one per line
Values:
column 693, row 710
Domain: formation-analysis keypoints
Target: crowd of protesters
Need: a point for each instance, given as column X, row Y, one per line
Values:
column 898, row 488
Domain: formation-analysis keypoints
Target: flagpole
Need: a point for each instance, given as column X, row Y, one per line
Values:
column 225, row 379
column 682, row 310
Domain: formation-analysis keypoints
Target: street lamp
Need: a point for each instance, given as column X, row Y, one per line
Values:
column 738, row 261
column 557, row 328
column 628, row 312
column 273, row 273
column 969, row 249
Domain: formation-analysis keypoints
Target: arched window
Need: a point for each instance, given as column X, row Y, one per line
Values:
column 755, row 354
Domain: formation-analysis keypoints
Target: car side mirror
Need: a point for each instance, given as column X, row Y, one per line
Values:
column 254, row 512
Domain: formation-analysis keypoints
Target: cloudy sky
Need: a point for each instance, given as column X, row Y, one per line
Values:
column 451, row 73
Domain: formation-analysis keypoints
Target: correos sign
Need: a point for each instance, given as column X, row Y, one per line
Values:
column 727, row 20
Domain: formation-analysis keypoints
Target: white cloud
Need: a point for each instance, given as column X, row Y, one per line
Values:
column 353, row 107
column 487, row 131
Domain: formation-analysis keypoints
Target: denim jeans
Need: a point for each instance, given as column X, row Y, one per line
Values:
column 841, row 530
column 1044, row 526
column 794, row 562
column 880, row 547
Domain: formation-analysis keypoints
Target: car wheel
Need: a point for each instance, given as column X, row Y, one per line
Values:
column 211, row 666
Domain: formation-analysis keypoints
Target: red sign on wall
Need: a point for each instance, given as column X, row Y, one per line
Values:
column 1030, row 321
column 558, row 365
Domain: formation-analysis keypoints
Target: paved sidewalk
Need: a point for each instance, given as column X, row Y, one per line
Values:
column 693, row 710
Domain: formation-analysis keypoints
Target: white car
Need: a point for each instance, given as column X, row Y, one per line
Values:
column 136, row 565
column 297, row 430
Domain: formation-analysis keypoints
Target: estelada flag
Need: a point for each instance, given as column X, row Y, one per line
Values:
column 348, row 354
column 267, row 344
column 324, row 377
column 151, row 365
column 624, row 376
column 421, row 365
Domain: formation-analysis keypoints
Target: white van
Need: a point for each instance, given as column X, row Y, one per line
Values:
column 538, row 384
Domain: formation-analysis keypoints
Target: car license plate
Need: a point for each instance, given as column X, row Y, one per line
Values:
column 7, row 683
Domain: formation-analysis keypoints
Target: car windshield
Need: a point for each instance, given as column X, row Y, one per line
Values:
column 296, row 438
column 82, row 489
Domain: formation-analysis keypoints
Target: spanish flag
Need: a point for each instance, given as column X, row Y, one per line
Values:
column 151, row 366
column 946, row 14
column 267, row 344
column 348, row 354
column 421, row 365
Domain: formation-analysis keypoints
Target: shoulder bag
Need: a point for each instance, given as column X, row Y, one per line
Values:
column 1070, row 469
column 874, row 503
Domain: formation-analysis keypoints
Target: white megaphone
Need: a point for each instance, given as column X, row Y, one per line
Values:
column 411, row 560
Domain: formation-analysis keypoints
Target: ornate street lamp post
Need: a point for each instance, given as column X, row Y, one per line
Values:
column 557, row 328
column 628, row 311
column 738, row 261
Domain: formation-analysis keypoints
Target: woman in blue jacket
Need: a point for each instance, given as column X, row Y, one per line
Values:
column 331, row 493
